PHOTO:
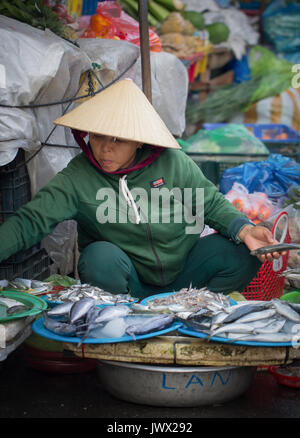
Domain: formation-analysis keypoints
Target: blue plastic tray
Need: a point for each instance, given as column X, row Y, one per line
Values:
column 259, row 128
column 187, row 331
column 39, row 329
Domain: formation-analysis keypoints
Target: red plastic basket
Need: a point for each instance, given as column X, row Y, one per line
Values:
column 268, row 283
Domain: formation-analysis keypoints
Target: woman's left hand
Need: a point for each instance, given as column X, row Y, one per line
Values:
column 257, row 236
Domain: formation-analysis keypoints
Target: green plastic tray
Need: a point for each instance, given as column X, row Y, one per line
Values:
column 36, row 305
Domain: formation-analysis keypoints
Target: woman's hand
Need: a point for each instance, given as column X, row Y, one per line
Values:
column 257, row 236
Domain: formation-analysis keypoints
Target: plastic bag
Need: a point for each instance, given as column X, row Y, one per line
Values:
column 255, row 205
column 231, row 138
column 273, row 176
column 112, row 22
column 275, row 73
column 281, row 25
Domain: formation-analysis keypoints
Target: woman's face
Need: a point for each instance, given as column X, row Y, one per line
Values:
column 113, row 153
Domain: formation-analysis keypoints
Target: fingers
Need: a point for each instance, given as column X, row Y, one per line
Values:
column 270, row 256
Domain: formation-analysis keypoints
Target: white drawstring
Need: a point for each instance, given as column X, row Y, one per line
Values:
column 129, row 198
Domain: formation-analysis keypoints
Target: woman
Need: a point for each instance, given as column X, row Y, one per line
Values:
column 140, row 204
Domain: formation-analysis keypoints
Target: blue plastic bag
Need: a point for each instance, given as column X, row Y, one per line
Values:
column 281, row 25
column 273, row 176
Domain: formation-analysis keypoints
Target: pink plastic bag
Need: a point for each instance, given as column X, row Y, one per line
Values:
column 255, row 205
column 113, row 22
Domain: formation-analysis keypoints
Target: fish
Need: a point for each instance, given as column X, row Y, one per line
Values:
column 218, row 318
column 89, row 324
column 21, row 283
column 273, row 327
column 279, row 247
column 60, row 328
column 60, row 310
column 9, row 302
column 151, row 324
column 141, row 308
column 80, row 308
column 193, row 299
column 254, row 316
column 203, row 326
column 77, row 292
column 200, row 313
column 13, row 310
column 239, row 311
column 295, row 306
column 284, row 309
column 291, row 327
column 110, row 312
column 233, row 328
column 290, row 271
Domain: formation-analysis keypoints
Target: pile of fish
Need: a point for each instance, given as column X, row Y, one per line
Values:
column 186, row 299
column 34, row 287
column 77, row 292
column 9, row 307
column 258, row 321
column 84, row 318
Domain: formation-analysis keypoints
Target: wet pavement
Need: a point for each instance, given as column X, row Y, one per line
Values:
column 29, row 393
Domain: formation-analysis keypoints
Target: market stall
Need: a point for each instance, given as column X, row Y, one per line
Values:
column 210, row 81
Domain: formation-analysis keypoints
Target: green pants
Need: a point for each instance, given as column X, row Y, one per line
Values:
column 214, row 262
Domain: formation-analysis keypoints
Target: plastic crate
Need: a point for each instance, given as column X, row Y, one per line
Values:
column 22, row 255
column 213, row 165
column 289, row 147
column 15, row 188
column 36, row 267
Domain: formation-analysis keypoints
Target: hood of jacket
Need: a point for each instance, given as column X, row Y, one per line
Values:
column 155, row 151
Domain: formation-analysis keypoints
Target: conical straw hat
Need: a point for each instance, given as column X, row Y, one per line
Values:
column 121, row 110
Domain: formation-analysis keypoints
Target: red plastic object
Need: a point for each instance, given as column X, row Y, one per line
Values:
column 283, row 379
column 56, row 362
column 268, row 284
column 56, row 289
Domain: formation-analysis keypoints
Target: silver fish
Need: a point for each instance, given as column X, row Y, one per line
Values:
column 240, row 311
column 110, row 312
column 89, row 324
column 275, row 248
column 17, row 309
column 60, row 328
column 283, row 308
column 291, row 327
column 60, row 309
column 183, row 315
column 295, row 306
column 80, row 308
column 254, row 316
column 151, row 324
column 290, row 271
column 21, row 283
column 218, row 319
column 201, row 326
column 274, row 327
column 233, row 328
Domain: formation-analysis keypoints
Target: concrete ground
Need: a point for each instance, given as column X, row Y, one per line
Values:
column 29, row 393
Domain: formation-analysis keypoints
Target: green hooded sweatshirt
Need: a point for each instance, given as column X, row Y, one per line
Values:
column 157, row 239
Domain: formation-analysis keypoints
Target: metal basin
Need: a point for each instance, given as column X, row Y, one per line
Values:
column 174, row 386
